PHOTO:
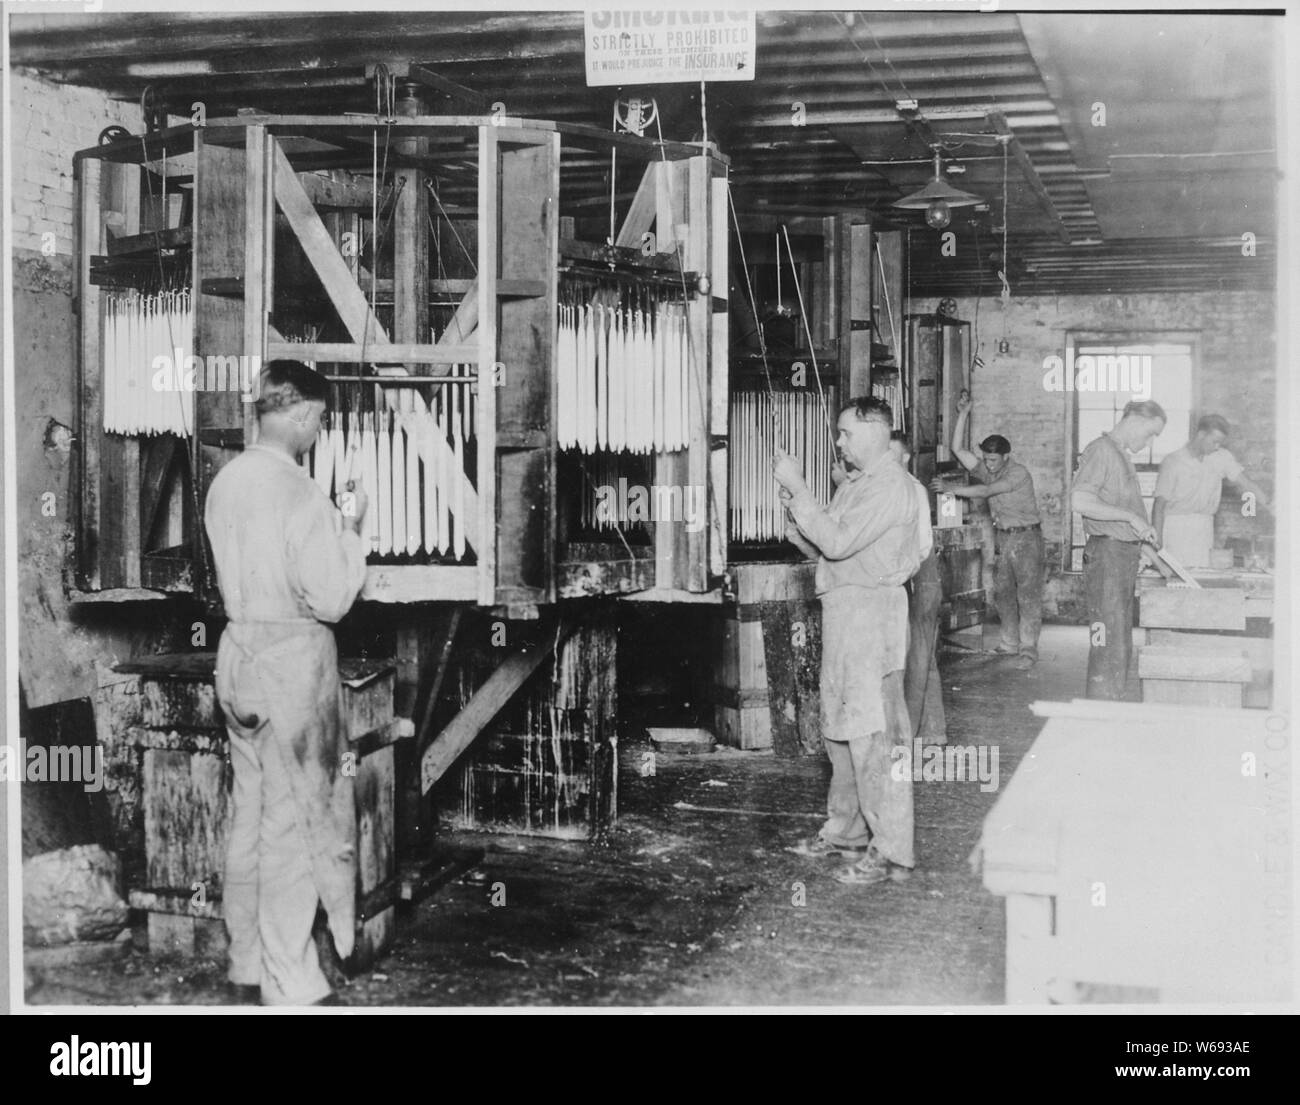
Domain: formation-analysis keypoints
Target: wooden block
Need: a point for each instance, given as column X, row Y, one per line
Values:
column 375, row 796
column 1185, row 608
column 170, row 703
column 1200, row 665
column 1030, row 947
column 1258, row 650
column 170, row 934
column 186, row 802
column 1183, row 692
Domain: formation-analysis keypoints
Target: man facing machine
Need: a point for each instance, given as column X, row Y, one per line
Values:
column 288, row 564
column 867, row 546
column 1018, row 573
column 1189, row 488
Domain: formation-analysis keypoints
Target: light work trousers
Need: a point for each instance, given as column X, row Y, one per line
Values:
column 269, row 897
column 866, row 805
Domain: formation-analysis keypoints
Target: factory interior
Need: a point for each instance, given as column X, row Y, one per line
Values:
column 578, row 289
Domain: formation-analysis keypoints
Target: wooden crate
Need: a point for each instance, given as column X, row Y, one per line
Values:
column 1193, row 676
column 961, row 569
column 186, row 778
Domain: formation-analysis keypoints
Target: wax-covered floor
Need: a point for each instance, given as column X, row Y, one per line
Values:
column 691, row 899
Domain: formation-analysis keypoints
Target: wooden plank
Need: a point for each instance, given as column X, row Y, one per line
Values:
column 335, row 277
column 488, row 245
column 1201, row 665
column 641, row 215
column 1258, row 650
column 1184, row 608
column 259, row 258
column 529, row 182
column 1030, row 963
column 375, row 353
column 487, row 702
column 161, row 455
column 186, row 800
column 420, row 583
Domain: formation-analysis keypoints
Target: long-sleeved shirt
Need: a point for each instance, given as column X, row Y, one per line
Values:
column 282, row 551
column 868, row 535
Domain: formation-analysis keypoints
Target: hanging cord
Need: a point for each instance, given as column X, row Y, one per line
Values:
column 473, row 261
column 874, row 71
column 794, row 273
column 1006, row 263
column 753, row 306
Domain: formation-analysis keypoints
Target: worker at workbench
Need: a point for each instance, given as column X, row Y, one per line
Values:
column 921, row 686
column 867, row 545
column 289, row 563
column 1189, row 488
column 1106, row 493
column 1008, row 488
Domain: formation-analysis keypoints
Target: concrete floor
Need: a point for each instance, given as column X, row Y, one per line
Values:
column 692, row 900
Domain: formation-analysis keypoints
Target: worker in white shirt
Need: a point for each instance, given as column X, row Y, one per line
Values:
column 1189, row 488
column 289, row 564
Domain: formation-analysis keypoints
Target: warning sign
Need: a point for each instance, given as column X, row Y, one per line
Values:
column 663, row 46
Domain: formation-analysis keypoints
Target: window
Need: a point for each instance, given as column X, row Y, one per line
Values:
column 1109, row 372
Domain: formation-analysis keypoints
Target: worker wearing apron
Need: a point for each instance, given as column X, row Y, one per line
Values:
column 1106, row 493
column 288, row 565
column 867, row 546
column 1189, row 488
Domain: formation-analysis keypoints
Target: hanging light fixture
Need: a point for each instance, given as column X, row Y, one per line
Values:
column 938, row 198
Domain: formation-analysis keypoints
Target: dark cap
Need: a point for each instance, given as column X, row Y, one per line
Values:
column 995, row 443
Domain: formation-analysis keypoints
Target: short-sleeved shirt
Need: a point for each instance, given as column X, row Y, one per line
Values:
column 1016, row 507
column 1106, row 470
column 1191, row 484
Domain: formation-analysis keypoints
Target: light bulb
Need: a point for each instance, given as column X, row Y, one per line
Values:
column 938, row 215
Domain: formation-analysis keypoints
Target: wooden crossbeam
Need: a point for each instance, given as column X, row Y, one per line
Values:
column 488, row 701
column 641, row 215
column 331, row 268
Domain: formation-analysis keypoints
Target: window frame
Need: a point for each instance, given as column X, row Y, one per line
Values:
column 1073, row 447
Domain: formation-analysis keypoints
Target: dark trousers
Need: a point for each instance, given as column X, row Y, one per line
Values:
column 1018, row 590
column 1110, row 571
column 921, row 685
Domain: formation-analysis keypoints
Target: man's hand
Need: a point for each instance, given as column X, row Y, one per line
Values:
column 787, row 471
column 939, row 484
column 352, row 505
column 1145, row 530
column 963, row 401
column 838, row 473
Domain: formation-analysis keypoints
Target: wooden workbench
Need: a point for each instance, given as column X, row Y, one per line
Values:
column 1145, row 855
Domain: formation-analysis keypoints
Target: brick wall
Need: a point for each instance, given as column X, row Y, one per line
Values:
column 1236, row 377
column 60, row 646
column 50, row 122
